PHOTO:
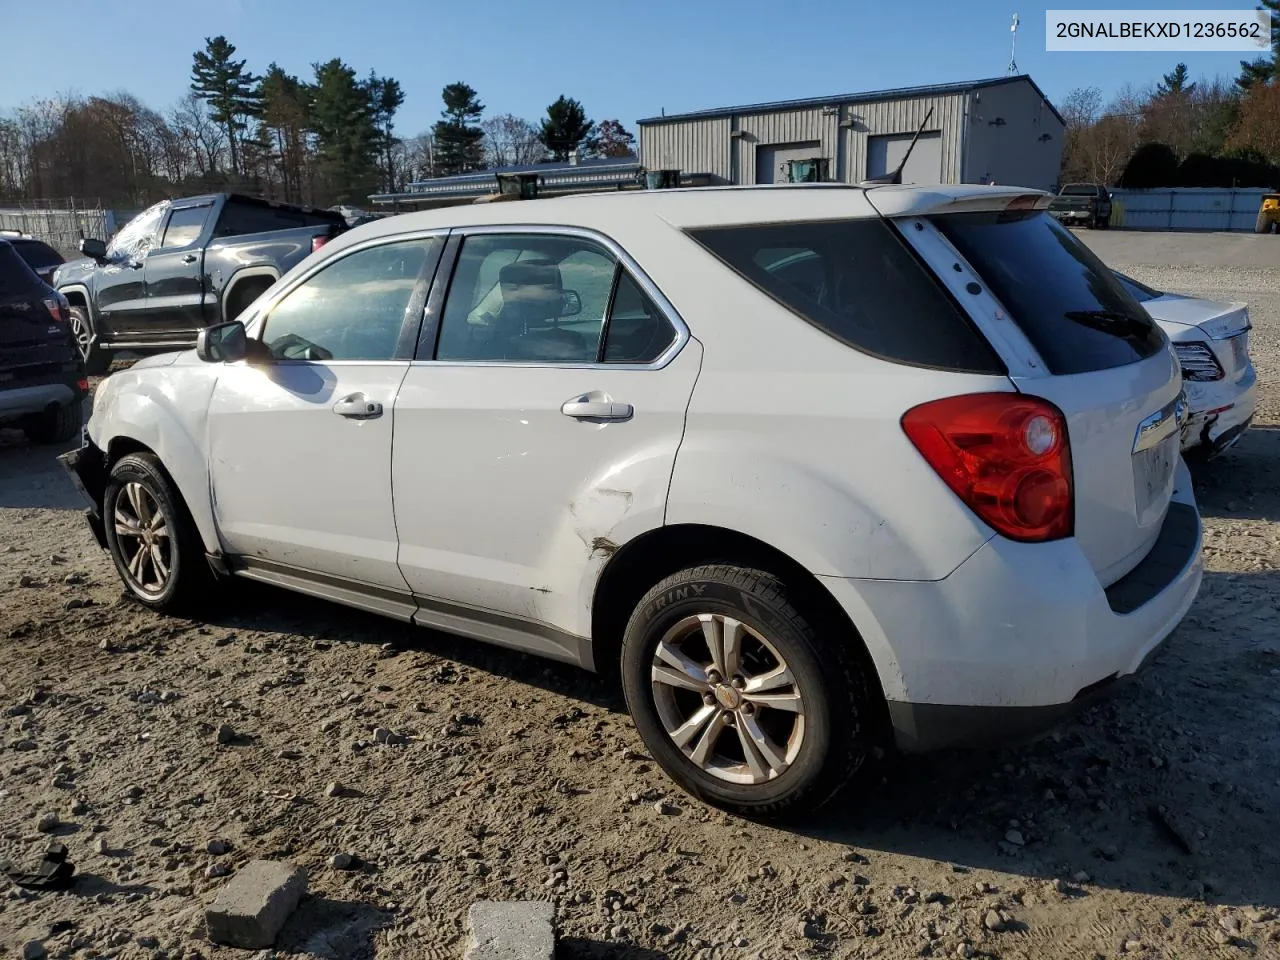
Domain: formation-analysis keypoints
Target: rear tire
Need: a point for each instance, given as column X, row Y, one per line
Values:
column 55, row 426
column 96, row 360
column 153, row 541
column 778, row 738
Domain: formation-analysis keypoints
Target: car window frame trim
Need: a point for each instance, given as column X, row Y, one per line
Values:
column 414, row 310
column 429, row 340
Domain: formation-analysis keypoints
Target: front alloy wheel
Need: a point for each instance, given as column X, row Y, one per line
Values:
column 143, row 534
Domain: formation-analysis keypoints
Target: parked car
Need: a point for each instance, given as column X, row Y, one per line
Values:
column 40, row 257
column 42, row 378
column 1211, row 338
column 1083, row 203
column 181, row 265
column 920, row 488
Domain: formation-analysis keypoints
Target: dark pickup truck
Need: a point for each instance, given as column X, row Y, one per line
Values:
column 1087, row 203
column 181, row 265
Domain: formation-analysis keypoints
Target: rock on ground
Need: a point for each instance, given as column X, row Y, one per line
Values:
column 250, row 910
column 511, row 930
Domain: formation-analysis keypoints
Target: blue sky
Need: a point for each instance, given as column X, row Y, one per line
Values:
column 621, row 59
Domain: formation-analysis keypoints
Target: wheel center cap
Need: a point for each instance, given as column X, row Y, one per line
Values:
column 727, row 697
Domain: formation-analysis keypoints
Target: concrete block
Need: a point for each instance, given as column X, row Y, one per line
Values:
column 250, row 910
column 511, row 930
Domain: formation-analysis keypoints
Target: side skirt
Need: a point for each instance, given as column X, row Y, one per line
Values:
column 527, row 636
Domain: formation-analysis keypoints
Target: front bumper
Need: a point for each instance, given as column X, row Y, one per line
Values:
column 1020, row 635
column 19, row 401
column 87, row 467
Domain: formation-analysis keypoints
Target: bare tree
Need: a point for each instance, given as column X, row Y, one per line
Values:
column 204, row 139
column 510, row 140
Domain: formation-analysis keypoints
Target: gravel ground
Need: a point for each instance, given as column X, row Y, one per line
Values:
column 1145, row 828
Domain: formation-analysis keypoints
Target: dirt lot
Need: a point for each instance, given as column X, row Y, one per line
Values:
column 521, row 779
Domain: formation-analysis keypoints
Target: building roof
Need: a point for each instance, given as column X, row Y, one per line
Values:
column 555, row 168
column 897, row 93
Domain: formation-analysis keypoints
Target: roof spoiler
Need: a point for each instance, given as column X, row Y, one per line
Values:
column 896, row 176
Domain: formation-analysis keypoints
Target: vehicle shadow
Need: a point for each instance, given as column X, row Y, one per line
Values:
column 1244, row 482
column 325, row 927
column 31, row 477
column 1168, row 787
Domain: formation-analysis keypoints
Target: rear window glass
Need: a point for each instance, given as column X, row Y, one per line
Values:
column 37, row 253
column 15, row 275
column 1072, row 308
column 857, row 281
column 1079, row 190
column 240, row 217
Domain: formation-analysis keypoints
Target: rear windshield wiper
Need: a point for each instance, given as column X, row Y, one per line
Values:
column 1115, row 322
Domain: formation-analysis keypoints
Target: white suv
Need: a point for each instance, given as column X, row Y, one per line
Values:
column 816, row 468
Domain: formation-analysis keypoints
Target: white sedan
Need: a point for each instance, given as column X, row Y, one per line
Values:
column 817, row 469
column 1211, row 339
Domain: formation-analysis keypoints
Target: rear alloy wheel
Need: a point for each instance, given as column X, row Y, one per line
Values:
column 153, row 541
column 738, row 697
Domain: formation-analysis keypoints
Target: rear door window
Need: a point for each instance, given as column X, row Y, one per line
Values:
column 240, row 216
column 1071, row 307
column 857, row 281
column 15, row 276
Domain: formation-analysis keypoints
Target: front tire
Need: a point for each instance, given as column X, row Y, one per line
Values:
column 152, row 538
column 55, row 426
column 744, row 702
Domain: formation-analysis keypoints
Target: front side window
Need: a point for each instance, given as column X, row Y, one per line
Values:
column 531, row 298
column 137, row 236
column 184, row 226
column 354, row 308
column 856, row 281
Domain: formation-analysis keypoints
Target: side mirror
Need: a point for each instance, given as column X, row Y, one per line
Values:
column 95, row 249
column 572, row 304
column 222, row 343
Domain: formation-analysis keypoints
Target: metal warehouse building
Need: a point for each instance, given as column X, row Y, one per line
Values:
column 1002, row 130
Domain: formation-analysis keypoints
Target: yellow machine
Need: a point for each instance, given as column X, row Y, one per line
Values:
column 1269, row 214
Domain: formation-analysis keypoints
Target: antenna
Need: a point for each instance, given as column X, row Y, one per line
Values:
column 1013, row 46
column 896, row 176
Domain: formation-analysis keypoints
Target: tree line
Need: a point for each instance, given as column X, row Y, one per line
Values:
column 1180, row 132
column 325, row 139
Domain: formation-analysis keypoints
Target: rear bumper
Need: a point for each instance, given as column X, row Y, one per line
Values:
column 1020, row 635
column 87, row 468
column 1220, row 413
column 37, row 398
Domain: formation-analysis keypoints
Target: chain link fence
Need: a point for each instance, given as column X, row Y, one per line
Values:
column 63, row 223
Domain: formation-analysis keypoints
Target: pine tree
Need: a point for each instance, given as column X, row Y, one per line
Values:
column 385, row 98
column 228, row 88
column 1175, row 83
column 458, row 138
column 1264, row 69
column 346, row 137
column 612, row 139
column 565, row 127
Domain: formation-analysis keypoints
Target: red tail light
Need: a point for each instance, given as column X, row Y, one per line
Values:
column 1005, row 455
column 318, row 242
column 58, row 308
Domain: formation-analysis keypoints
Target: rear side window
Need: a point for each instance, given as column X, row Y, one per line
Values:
column 15, row 275
column 37, row 254
column 857, row 281
column 1072, row 308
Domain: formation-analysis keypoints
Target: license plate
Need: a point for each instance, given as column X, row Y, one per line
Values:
column 1152, row 471
column 1240, row 350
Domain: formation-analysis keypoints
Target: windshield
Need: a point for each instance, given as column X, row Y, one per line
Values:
column 1072, row 308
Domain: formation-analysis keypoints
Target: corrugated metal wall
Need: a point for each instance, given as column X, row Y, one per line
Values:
column 903, row 116
column 775, row 129
column 694, row 146
column 1188, row 208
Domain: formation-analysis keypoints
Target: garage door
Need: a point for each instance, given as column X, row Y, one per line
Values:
column 771, row 157
column 925, row 166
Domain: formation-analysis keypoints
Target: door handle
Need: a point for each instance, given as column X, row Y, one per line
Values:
column 586, row 407
column 189, row 258
column 357, row 406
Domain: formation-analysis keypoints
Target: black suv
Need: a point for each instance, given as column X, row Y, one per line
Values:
column 42, row 376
